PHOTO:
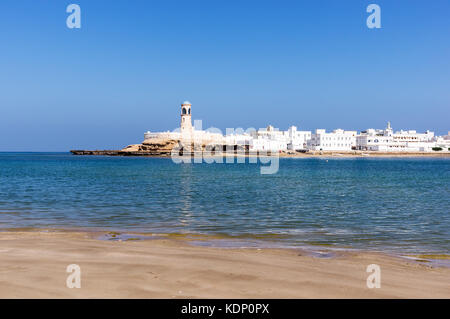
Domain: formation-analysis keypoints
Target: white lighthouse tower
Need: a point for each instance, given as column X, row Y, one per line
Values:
column 186, row 123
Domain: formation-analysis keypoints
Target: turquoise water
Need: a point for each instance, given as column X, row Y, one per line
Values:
column 395, row 205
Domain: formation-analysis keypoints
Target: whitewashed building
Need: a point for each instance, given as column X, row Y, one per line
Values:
column 272, row 139
column 388, row 141
column 443, row 142
column 187, row 132
column 238, row 139
column 337, row 140
column 268, row 139
column 297, row 140
column 265, row 139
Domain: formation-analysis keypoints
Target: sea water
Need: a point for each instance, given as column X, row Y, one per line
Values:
column 387, row 204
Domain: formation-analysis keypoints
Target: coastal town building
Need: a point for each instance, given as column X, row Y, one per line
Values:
column 274, row 140
column 268, row 139
column 186, row 121
column 243, row 139
column 337, row 140
column 388, row 141
column 298, row 140
column 443, row 142
column 187, row 132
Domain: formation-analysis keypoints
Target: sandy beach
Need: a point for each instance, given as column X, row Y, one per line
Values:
column 33, row 265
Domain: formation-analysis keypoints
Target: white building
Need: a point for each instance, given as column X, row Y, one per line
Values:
column 297, row 140
column 388, row 141
column 268, row 139
column 187, row 132
column 271, row 139
column 338, row 140
column 238, row 139
column 443, row 142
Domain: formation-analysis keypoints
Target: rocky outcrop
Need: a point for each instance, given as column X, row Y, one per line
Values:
column 156, row 145
column 96, row 152
column 162, row 147
column 153, row 147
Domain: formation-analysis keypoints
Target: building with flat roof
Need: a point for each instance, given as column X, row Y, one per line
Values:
column 186, row 132
column 272, row 139
column 337, row 140
column 401, row 141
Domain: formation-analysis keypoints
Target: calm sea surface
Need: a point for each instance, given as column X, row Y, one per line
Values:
column 395, row 205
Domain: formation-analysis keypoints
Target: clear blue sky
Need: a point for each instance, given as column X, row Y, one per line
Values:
column 313, row 64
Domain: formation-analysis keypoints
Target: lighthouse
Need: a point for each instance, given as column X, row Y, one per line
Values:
column 186, row 123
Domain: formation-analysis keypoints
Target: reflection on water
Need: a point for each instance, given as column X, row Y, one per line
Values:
column 186, row 198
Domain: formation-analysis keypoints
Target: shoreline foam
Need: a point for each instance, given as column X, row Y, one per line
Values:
column 225, row 241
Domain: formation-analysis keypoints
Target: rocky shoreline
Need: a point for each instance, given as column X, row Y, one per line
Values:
column 156, row 147
column 164, row 153
column 164, row 147
column 116, row 153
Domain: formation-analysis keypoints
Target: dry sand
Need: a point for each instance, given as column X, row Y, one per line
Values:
column 33, row 265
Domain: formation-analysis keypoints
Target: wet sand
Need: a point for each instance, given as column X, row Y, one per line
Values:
column 33, row 265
